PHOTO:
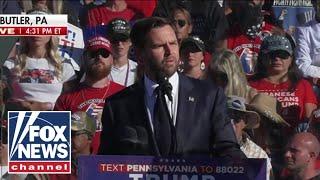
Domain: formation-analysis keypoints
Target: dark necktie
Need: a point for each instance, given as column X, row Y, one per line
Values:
column 163, row 126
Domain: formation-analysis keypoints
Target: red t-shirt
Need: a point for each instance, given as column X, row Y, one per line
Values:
column 247, row 48
column 146, row 8
column 81, row 98
column 293, row 103
column 102, row 16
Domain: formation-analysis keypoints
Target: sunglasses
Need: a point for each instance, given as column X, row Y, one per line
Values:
column 103, row 52
column 120, row 39
column 180, row 22
column 279, row 54
column 77, row 133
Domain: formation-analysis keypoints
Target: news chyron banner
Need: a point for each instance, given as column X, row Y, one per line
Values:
column 39, row 142
column 156, row 168
column 33, row 24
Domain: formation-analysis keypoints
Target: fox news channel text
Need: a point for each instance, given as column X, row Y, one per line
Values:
column 33, row 25
column 39, row 142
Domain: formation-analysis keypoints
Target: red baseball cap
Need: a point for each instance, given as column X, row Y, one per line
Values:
column 98, row 42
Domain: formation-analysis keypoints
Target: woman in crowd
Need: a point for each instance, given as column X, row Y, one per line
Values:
column 192, row 56
column 278, row 76
column 37, row 73
column 182, row 21
column 225, row 70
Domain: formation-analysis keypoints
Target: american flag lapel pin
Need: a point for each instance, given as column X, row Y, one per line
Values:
column 191, row 99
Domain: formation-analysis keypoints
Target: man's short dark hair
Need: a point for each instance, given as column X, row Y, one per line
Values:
column 142, row 27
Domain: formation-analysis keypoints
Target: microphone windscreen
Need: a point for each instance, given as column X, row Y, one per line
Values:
column 164, row 84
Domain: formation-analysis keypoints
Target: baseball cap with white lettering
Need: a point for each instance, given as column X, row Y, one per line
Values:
column 98, row 42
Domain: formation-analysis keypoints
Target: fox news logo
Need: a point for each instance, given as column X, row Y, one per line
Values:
column 39, row 142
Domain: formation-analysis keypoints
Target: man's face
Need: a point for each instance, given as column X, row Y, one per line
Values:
column 161, row 52
column 297, row 156
column 252, row 19
column 98, row 63
column 80, row 142
column 120, row 48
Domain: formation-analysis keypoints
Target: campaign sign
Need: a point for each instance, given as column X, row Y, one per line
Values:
column 71, row 45
column 156, row 168
column 39, row 142
column 293, row 13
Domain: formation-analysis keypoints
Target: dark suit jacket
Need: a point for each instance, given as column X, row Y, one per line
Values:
column 202, row 127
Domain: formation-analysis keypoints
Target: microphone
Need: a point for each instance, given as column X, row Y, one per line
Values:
column 164, row 85
column 133, row 141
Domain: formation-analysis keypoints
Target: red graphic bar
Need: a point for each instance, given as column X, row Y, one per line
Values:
column 62, row 167
column 33, row 31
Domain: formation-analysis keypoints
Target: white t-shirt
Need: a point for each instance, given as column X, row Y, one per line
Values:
column 38, row 82
column 124, row 75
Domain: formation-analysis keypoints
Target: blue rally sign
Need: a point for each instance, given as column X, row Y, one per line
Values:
column 156, row 168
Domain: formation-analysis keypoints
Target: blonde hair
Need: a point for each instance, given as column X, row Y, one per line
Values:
column 184, row 11
column 52, row 53
column 227, row 62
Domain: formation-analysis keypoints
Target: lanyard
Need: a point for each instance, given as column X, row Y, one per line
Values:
column 127, row 75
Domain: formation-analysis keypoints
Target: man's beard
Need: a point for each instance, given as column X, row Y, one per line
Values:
column 96, row 72
column 295, row 169
column 161, row 69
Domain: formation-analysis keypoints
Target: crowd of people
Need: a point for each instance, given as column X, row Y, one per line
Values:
column 215, row 78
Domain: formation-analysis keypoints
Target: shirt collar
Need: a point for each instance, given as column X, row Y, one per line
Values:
column 150, row 85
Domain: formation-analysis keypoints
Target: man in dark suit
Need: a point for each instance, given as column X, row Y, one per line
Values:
column 197, row 110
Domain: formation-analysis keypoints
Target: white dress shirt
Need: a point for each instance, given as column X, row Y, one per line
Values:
column 308, row 49
column 150, row 97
